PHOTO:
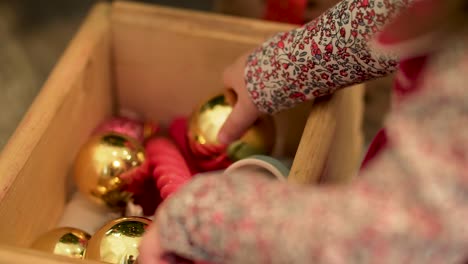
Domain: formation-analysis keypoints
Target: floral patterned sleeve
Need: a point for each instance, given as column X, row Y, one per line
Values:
column 409, row 206
column 326, row 54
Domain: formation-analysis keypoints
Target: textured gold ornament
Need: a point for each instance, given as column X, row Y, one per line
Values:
column 206, row 122
column 118, row 241
column 65, row 241
column 105, row 165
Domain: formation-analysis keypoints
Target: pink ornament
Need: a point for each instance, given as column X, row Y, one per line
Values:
column 170, row 168
column 128, row 127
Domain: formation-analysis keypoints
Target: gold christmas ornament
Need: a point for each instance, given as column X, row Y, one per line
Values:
column 206, row 122
column 118, row 241
column 65, row 241
column 104, row 166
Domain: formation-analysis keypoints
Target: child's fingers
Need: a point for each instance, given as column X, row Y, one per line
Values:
column 244, row 112
column 240, row 119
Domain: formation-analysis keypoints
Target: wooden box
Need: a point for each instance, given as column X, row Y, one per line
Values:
column 159, row 62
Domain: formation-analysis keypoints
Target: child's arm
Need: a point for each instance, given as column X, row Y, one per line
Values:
column 328, row 53
column 410, row 206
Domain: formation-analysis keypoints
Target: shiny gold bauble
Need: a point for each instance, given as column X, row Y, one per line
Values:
column 118, row 240
column 105, row 165
column 65, row 241
column 208, row 118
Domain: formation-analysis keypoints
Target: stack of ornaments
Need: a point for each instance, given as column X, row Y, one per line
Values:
column 129, row 166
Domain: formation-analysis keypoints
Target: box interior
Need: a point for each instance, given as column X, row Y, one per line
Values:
column 159, row 62
column 167, row 61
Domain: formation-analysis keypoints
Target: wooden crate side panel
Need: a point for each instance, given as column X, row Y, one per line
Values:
column 36, row 163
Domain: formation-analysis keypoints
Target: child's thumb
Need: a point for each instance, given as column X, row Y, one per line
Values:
column 237, row 123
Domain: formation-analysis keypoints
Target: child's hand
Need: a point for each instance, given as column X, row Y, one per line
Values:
column 245, row 112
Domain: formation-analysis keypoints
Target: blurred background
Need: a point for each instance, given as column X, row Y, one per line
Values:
column 33, row 34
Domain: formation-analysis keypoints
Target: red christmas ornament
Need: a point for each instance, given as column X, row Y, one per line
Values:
column 286, row 11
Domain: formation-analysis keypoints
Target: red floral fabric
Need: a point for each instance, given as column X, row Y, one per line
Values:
column 326, row 54
column 407, row 206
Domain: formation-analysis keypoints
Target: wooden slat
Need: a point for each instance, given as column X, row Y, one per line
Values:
column 345, row 154
column 316, row 140
column 331, row 144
